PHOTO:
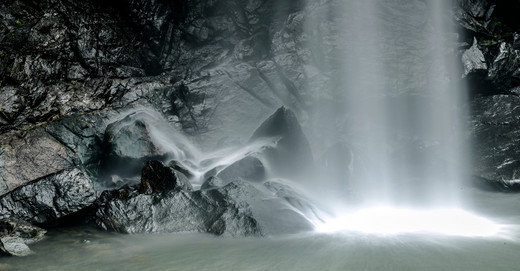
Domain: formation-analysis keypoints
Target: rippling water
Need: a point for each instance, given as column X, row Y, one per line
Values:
column 84, row 248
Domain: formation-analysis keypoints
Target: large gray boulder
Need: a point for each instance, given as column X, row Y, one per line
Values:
column 292, row 157
column 214, row 211
column 158, row 178
column 248, row 168
column 236, row 209
column 129, row 143
column 16, row 234
column 50, row 198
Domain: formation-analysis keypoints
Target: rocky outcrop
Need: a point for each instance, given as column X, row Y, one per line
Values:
column 236, row 209
column 497, row 137
column 31, row 155
column 248, row 168
column 292, row 156
column 16, row 234
column 49, row 198
column 158, row 178
column 221, row 211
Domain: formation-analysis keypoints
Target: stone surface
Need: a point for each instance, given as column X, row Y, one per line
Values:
column 292, row 156
column 16, row 234
column 14, row 246
column 214, row 211
column 212, row 182
column 236, row 209
column 28, row 156
column 49, row 198
column 158, row 178
column 248, row 168
column 129, row 143
column 497, row 139
column 473, row 60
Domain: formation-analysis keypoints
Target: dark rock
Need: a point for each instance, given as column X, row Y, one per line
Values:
column 212, row 182
column 180, row 168
column 212, row 211
column 50, row 198
column 83, row 134
column 292, row 156
column 30, row 155
column 16, row 234
column 475, row 8
column 504, row 70
column 237, row 209
column 248, row 168
column 129, row 144
column 497, row 139
column 158, row 178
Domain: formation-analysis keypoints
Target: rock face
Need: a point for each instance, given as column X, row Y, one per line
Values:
column 248, row 168
column 33, row 156
column 158, row 178
column 50, row 198
column 496, row 132
column 216, row 211
column 292, row 156
column 129, row 144
column 473, row 60
column 16, row 234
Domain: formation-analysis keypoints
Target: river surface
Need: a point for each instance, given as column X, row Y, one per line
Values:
column 85, row 248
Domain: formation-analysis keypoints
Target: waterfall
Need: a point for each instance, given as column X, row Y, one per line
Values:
column 398, row 103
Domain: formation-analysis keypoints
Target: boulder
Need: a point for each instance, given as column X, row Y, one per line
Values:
column 157, row 178
column 292, row 156
column 475, row 8
column 212, row 182
column 82, row 134
column 236, row 209
column 248, row 168
column 129, row 144
column 214, row 211
column 16, row 234
column 50, row 198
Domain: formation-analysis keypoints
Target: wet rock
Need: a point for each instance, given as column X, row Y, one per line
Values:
column 212, row 211
column 16, row 234
column 84, row 135
column 158, row 178
column 476, row 8
column 212, row 182
column 130, row 144
column 497, row 139
column 11, row 104
column 14, row 246
column 248, row 168
column 30, row 155
column 504, row 71
column 473, row 60
column 236, row 209
column 292, row 156
column 49, row 198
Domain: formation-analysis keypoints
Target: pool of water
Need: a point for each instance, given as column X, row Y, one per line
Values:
column 84, row 248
